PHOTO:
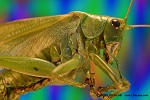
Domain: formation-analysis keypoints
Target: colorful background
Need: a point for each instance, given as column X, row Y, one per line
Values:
column 134, row 56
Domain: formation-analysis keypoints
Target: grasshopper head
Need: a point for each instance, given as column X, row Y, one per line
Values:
column 113, row 33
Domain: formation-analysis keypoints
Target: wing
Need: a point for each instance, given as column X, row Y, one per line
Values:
column 29, row 36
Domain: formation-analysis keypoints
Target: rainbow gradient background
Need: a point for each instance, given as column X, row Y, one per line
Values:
column 134, row 56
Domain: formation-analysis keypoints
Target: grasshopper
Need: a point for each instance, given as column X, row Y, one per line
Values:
column 36, row 52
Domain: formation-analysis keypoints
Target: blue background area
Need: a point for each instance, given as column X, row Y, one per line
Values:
column 134, row 56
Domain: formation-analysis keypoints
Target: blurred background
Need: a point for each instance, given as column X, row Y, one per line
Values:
column 134, row 56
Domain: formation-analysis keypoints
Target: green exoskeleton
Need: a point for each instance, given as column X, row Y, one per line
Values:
column 40, row 51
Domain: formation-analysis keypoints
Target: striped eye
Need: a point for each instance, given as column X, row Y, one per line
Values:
column 115, row 23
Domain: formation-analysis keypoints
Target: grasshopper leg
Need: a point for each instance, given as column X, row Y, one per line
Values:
column 94, row 93
column 120, row 84
column 61, row 73
column 27, row 65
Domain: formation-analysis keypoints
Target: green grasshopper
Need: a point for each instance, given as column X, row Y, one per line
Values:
column 40, row 51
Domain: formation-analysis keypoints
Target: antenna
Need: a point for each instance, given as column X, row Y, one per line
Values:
column 125, row 19
column 127, row 27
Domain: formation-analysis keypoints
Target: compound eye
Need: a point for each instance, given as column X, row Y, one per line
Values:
column 115, row 23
